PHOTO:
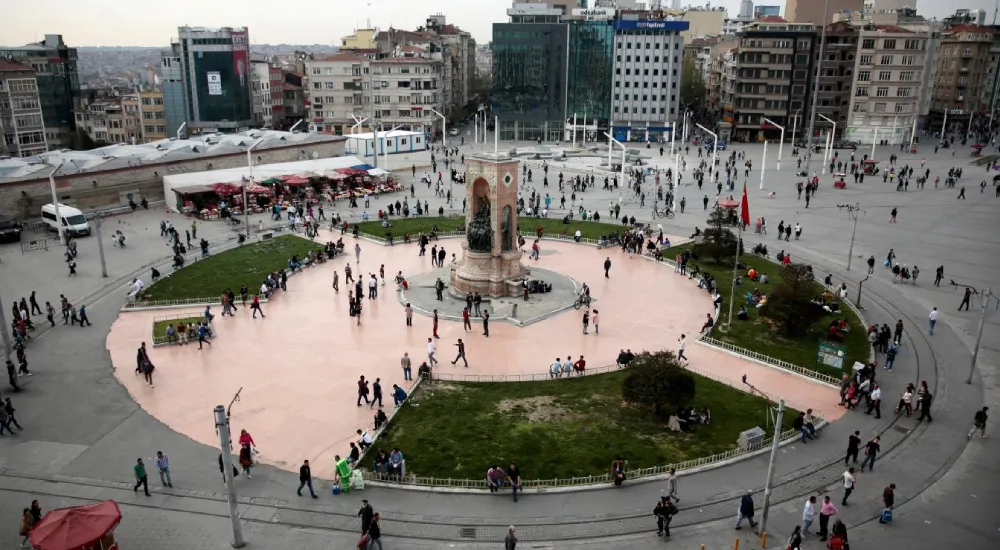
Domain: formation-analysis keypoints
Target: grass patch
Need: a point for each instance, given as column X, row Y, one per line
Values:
column 160, row 327
column 248, row 264
column 560, row 428
column 551, row 226
column 758, row 335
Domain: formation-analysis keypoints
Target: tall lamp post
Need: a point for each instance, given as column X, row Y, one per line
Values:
column 815, row 91
column 622, row 145
column 828, row 154
column 715, row 146
column 444, row 128
column 853, row 210
column 296, row 125
column 988, row 297
column 775, row 444
column 246, row 205
column 55, row 204
column 781, row 143
column 225, row 442
column 181, row 129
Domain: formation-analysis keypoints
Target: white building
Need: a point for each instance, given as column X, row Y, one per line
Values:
column 260, row 92
column 388, row 143
column 746, row 9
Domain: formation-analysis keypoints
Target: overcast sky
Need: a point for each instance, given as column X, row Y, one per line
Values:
column 117, row 23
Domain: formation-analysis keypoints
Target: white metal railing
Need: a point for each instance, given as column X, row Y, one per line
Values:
column 761, row 358
column 532, row 377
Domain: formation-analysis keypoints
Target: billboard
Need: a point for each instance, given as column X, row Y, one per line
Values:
column 653, row 24
column 214, row 82
column 595, row 14
column 241, row 62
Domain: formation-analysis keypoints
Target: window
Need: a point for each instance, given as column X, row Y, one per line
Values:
column 903, row 92
column 862, row 91
column 864, row 76
column 906, row 76
column 901, row 107
column 880, row 107
column 28, row 120
column 865, row 60
column 868, row 44
column 909, row 60
column 885, row 60
column 149, row 129
column 882, row 91
column 912, row 45
column 885, row 75
column 22, row 85
column 889, row 44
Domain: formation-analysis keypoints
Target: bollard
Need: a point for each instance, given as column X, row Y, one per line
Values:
column 763, row 540
column 513, row 312
column 736, row 544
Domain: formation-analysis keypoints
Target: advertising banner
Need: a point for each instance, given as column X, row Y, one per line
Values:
column 652, row 24
column 214, row 83
column 241, row 57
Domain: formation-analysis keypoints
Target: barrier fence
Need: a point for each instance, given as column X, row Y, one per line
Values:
column 761, row 358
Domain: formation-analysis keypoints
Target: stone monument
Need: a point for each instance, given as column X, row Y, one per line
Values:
column 491, row 259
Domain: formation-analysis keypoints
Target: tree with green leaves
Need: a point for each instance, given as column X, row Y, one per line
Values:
column 790, row 304
column 693, row 90
column 718, row 243
column 658, row 380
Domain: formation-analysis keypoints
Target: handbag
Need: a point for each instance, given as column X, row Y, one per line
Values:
column 364, row 540
column 886, row 516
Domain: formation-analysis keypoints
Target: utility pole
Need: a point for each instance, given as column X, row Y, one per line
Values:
column 815, row 92
column 770, row 465
column 225, row 441
column 852, row 211
column 8, row 347
column 988, row 297
column 98, row 221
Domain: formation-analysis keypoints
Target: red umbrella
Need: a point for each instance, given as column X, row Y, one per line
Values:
column 76, row 528
column 296, row 181
column 729, row 203
column 353, row 171
column 226, row 188
column 258, row 189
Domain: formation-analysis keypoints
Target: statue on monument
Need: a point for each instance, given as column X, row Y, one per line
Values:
column 479, row 232
column 506, row 232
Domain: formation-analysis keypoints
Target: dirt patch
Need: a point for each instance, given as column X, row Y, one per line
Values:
column 443, row 387
column 537, row 409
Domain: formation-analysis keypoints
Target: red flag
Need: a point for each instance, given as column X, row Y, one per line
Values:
column 745, row 206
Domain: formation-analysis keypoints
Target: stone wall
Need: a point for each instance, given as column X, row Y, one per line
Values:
column 104, row 189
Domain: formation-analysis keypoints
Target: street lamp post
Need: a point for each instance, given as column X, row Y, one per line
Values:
column 55, row 204
column 874, row 141
column 622, row 182
column 781, row 143
column 775, row 443
column 181, row 129
column 246, row 204
column 296, row 125
column 98, row 222
column 763, row 165
column 852, row 210
column 444, row 129
column 225, row 441
column 795, row 125
column 715, row 145
column 829, row 148
column 913, row 133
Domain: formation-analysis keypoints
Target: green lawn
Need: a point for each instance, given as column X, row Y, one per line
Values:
column 248, row 264
column 562, row 428
column 160, row 327
column 757, row 335
column 550, row 226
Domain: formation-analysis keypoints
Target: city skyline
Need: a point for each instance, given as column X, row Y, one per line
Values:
column 88, row 22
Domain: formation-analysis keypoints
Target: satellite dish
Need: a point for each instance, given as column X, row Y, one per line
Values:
column 315, row 154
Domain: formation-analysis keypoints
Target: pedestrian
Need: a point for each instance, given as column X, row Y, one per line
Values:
column 596, row 320
column 336, row 281
column 140, row 477
column 849, row 480
column 362, row 391
column 202, row 336
column 978, row 423
column 607, row 267
column 925, row 406
column 586, row 320
column 366, row 513
column 966, row 298
column 82, row 315
column 888, row 499
column 407, row 366
column 434, row 322
column 510, row 541
column 466, row 321
column 8, row 409
column 746, row 510
column 357, row 253
column 12, row 376
column 255, row 307
column 50, row 313
column 664, row 512
column 486, row 322
column 875, row 401
column 871, row 451
column 375, row 532
column 461, row 353
column 34, row 304
column 5, row 422
column 162, row 464
column 672, row 485
column 431, row 348
column 826, row 510
column 932, row 320
column 27, row 524
column 853, row 446
column 305, row 479
column 871, row 265
column 376, row 393
column 409, row 314
column 892, row 215
column 514, row 476
column 795, row 539
column 681, row 342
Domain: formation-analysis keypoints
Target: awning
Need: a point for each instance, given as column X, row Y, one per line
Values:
column 226, row 188
column 272, row 181
column 729, row 203
column 75, row 528
column 334, row 175
column 296, row 181
column 258, row 189
column 362, row 166
column 378, row 172
column 353, row 171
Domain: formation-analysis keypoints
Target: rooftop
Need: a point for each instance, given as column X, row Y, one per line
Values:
column 343, row 56
column 114, row 157
column 892, row 28
column 13, row 66
column 772, row 19
column 405, row 60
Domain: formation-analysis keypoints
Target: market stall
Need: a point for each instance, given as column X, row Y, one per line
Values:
column 88, row 527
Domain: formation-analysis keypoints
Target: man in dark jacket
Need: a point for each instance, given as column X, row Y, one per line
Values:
column 664, row 512
column 925, row 407
column 888, row 499
column 746, row 510
column 306, row 479
column 366, row 513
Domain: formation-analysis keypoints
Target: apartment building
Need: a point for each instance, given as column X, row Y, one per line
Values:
column 57, row 84
column 404, row 92
column 334, row 92
column 836, row 76
column 277, row 86
column 153, row 115
column 260, row 92
column 964, row 73
column 22, row 120
column 811, row 11
column 773, row 77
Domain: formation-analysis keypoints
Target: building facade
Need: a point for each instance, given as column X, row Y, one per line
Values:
column 647, row 74
column 964, row 69
column 260, row 92
column 153, row 114
column 216, row 73
column 836, row 78
column 591, row 71
column 22, row 119
column 172, row 77
column 58, row 84
column 811, row 11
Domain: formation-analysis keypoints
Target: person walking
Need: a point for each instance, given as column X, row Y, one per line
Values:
column 672, row 485
column 466, row 320
column 514, row 476
column 853, row 446
column 305, row 479
column 681, row 342
column 409, row 314
column 871, row 265
column 966, row 298
column 826, row 511
column 875, row 401
column 978, row 423
column 202, row 336
column 336, row 281
column 746, row 510
column 362, row 391
column 162, row 464
column 925, row 407
column 376, row 393
column 140, row 477
column 486, row 323
column 82, row 315
column 255, row 307
column 664, row 512
column 461, row 354
column 871, row 451
column 27, row 524
column 367, row 514
column 510, row 541
column 849, row 481
column 431, row 349
column 434, row 324
column 888, row 499
column 407, row 366
column 375, row 532
column 607, row 267
column 932, row 320
column 8, row 409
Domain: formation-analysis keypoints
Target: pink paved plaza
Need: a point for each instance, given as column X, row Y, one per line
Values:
column 299, row 367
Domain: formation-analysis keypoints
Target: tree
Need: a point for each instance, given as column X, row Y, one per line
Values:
column 790, row 303
column 718, row 243
column 693, row 91
column 657, row 380
column 82, row 141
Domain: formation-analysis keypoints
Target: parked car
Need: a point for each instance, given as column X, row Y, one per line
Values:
column 453, row 132
column 845, row 144
column 10, row 229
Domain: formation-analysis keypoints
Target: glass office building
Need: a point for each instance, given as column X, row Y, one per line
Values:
column 529, row 80
column 591, row 64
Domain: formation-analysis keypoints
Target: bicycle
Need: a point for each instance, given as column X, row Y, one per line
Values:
column 581, row 301
column 669, row 214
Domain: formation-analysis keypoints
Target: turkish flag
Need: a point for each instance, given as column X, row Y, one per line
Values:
column 745, row 206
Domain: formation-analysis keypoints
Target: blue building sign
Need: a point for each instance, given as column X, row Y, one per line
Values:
column 652, row 24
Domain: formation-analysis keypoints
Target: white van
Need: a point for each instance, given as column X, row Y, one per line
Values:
column 73, row 221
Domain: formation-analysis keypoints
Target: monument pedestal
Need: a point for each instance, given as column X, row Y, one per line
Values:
column 487, row 273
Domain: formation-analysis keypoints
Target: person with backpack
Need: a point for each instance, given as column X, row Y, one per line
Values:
column 664, row 512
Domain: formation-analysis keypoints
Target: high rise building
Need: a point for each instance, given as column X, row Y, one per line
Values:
column 764, row 11
column 216, row 74
column 746, row 9
column 260, row 91
column 22, row 120
column 172, row 77
column 58, row 84
column 811, row 11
